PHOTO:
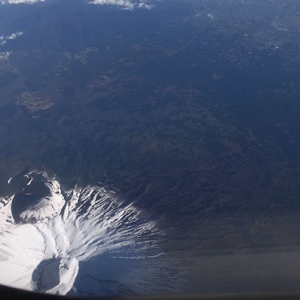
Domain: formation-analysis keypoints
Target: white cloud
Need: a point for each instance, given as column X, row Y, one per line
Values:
column 14, row 35
column 20, row 1
column 125, row 4
column 4, row 38
column 4, row 55
column 144, row 5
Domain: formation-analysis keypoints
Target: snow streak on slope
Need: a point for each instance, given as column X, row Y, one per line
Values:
column 82, row 242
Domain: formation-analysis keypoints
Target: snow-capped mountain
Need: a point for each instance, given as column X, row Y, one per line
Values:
column 81, row 241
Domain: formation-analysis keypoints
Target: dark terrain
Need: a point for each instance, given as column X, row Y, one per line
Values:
column 190, row 109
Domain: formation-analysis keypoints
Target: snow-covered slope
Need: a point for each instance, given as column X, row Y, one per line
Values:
column 83, row 242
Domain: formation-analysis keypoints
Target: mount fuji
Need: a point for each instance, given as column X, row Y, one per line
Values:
column 82, row 241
